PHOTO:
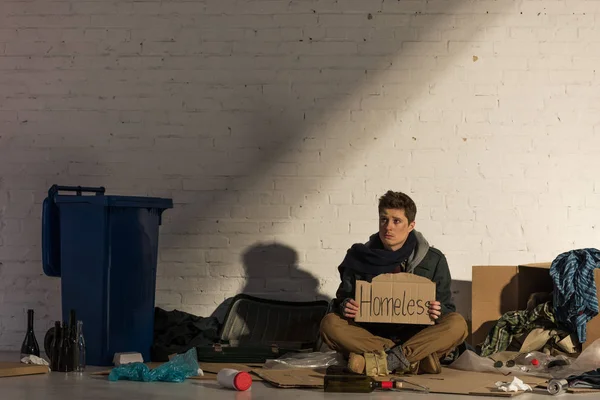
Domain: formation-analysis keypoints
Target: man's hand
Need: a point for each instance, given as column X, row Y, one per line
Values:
column 351, row 309
column 435, row 310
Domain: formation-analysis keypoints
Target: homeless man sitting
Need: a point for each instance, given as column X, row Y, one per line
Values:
column 399, row 348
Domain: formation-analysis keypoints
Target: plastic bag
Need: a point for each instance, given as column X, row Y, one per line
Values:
column 179, row 368
column 306, row 360
column 470, row 361
column 588, row 360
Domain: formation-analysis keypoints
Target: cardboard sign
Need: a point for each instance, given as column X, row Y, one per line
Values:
column 395, row 298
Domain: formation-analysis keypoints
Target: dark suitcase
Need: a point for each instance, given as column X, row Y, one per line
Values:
column 256, row 330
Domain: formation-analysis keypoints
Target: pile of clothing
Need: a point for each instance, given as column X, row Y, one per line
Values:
column 535, row 328
column 554, row 323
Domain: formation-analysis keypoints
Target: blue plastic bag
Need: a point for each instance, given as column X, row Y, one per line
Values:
column 178, row 369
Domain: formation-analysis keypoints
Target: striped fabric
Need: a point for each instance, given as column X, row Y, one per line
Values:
column 575, row 301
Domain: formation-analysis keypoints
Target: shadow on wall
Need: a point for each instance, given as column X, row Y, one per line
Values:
column 272, row 272
column 269, row 114
column 461, row 294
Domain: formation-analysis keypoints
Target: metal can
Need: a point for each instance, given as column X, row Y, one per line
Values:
column 557, row 386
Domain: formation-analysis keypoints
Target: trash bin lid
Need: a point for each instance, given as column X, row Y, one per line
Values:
column 117, row 201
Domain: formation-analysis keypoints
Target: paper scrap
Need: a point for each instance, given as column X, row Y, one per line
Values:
column 31, row 359
column 514, row 386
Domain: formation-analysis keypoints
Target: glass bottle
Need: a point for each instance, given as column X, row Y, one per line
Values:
column 80, row 347
column 354, row 384
column 30, row 344
column 65, row 360
column 56, row 343
column 73, row 338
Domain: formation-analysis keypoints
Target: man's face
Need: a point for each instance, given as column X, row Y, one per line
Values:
column 394, row 228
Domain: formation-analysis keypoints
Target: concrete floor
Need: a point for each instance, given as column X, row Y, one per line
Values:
column 69, row 386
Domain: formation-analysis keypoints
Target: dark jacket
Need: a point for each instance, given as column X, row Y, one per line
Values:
column 425, row 261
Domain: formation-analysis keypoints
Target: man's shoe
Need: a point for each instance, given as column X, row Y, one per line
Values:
column 396, row 360
column 430, row 365
column 356, row 363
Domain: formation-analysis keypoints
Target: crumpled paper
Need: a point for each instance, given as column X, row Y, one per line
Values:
column 31, row 359
column 514, row 386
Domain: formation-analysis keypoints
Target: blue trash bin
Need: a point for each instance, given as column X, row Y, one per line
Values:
column 105, row 250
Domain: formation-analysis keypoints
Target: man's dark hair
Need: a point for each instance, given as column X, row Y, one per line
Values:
column 398, row 200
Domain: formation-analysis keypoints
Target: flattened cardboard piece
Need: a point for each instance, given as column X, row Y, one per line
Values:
column 395, row 298
column 582, row 390
column 293, row 378
column 544, row 386
column 452, row 381
column 8, row 369
column 449, row 381
column 208, row 376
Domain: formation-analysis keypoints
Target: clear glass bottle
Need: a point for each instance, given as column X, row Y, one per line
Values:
column 80, row 348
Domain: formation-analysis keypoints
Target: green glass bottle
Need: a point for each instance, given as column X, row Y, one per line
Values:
column 354, row 384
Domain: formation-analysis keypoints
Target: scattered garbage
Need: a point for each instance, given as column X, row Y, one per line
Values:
column 127, row 358
column 306, row 360
column 557, row 386
column 586, row 380
column 31, row 359
column 234, row 379
column 524, row 364
column 588, row 360
column 181, row 367
column 514, row 386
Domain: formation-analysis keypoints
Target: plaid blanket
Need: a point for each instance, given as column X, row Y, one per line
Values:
column 515, row 323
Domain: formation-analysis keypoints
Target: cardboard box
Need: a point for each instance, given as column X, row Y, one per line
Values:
column 498, row 289
column 395, row 298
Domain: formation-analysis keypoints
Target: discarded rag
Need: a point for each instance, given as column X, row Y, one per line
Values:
column 589, row 380
column 575, row 301
column 31, row 359
column 177, row 332
column 515, row 323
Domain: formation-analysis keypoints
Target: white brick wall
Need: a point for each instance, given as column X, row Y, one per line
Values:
column 281, row 122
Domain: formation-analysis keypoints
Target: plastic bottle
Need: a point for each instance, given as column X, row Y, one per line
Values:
column 534, row 359
column 234, row 379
